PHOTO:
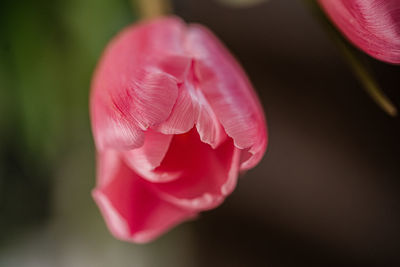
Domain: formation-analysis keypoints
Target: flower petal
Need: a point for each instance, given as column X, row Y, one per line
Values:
column 192, row 108
column 229, row 93
column 208, row 125
column 184, row 113
column 141, row 68
column 208, row 175
column 149, row 156
column 132, row 210
column 120, row 116
column 372, row 25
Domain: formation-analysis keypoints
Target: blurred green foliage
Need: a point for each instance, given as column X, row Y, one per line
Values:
column 48, row 50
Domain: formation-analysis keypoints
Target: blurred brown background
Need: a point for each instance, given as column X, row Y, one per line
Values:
column 325, row 194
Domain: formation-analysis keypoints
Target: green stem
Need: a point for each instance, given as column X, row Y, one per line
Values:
column 370, row 85
column 152, row 8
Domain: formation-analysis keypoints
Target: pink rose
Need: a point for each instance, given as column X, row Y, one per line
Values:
column 174, row 119
column 372, row 25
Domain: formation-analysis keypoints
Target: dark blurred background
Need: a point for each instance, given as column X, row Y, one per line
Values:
column 325, row 194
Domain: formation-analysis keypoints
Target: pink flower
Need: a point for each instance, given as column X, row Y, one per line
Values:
column 372, row 25
column 174, row 119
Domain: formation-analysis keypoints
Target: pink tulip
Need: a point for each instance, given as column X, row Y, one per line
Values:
column 372, row 25
column 174, row 119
